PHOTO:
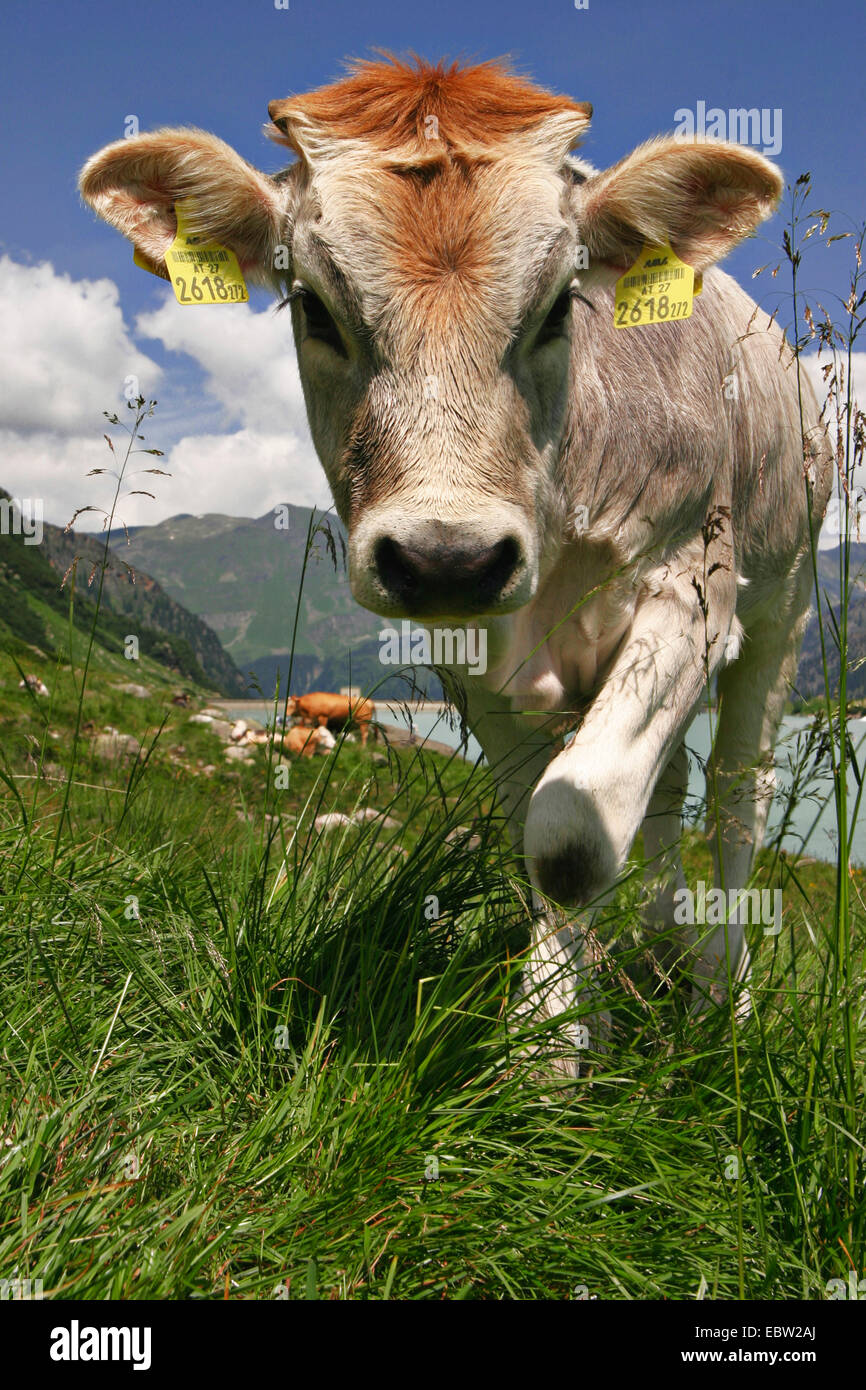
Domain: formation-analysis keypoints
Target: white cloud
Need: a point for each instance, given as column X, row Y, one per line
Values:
column 814, row 368
column 244, row 443
column 243, row 473
column 65, row 350
column 52, row 467
column 248, row 358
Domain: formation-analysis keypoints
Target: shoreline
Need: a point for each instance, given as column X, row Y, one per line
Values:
column 420, row 707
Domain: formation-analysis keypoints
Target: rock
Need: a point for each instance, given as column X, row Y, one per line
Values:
column 237, row 755
column 462, row 835
column 239, row 728
column 332, row 820
column 326, row 741
column 208, row 771
column 115, row 746
column 221, row 727
column 379, row 760
column 369, row 813
column 34, row 683
column 201, row 719
column 214, row 713
column 140, row 692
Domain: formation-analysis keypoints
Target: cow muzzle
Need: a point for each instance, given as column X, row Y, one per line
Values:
column 433, row 569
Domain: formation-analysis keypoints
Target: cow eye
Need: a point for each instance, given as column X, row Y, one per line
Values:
column 319, row 324
column 556, row 324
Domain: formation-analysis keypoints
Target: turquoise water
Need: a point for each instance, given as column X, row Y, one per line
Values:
column 812, row 829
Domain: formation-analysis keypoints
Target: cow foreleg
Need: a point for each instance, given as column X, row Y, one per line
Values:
column 559, row 964
column 590, row 802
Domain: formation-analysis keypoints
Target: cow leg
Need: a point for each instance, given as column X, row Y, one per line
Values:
column 365, row 731
column 664, row 875
column 558, row 973
column 741, row 781
column 592, row 798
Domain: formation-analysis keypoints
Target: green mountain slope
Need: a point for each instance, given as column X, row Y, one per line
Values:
column 34, row 609
column 243, row 575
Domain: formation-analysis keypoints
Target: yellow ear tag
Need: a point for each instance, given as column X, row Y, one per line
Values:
column 657, row 288
column 200, row 273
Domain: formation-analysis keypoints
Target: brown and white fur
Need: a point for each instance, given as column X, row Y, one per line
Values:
column 468, row 395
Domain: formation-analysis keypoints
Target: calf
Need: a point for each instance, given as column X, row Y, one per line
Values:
column 626, row 512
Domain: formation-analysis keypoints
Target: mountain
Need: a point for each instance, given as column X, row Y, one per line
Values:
column 242, row 576
column 30, row 593
column 810, row 674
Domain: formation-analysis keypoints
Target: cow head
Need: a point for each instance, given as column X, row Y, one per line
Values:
column 430, row 227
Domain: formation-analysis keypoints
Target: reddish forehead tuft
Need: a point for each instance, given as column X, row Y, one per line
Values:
column 389, row 103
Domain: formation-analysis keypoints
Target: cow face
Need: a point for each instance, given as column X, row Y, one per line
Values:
column 431, row 310
column 432, row 262
column 431, row 228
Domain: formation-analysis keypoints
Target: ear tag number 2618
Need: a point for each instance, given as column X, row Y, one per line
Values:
column 201, row 273
column 658, row 288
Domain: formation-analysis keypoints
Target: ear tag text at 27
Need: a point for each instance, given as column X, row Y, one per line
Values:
column 659, row 287
column 201, row 273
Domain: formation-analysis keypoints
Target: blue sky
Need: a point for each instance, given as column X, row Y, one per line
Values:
column 78, row 69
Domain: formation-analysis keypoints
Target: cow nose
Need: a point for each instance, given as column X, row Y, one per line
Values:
column 434, row 575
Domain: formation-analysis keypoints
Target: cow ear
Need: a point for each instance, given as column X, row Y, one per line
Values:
column 134, row 184
column 701, row 198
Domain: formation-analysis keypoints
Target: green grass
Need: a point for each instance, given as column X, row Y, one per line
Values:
column 219, row 1088
column 241, row 1059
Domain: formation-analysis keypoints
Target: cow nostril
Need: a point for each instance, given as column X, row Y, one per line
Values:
column 393, row 568
column 501, row 566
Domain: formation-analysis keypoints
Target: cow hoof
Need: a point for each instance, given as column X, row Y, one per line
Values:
column 571, row 859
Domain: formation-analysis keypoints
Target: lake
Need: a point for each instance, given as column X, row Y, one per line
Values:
column 813, row 826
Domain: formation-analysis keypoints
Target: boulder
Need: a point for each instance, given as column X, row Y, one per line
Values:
column 114, row 746
column 369, row 813
column 34, row 683
column 140, row 692
column 332, row 820
column 462, row 835
column 236, row 754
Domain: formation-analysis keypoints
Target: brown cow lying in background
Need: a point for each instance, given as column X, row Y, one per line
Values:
column 303, row 742
column 332, row 711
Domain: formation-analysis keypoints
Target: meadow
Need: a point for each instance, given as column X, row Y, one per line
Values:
column 244, row 1059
